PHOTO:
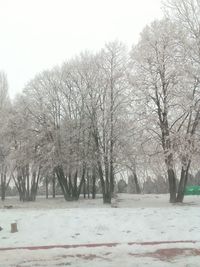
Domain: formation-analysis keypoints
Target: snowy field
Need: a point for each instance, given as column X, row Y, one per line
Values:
column 130, row 219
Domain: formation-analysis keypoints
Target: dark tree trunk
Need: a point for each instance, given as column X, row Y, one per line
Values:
column 36, row 184
column 84, row 188
column 3, row 189
column 75, row 187
column 138, row 190
column 182, row 183
column 70, row 189
column 33, row 188
column 107, row 198
column 63, row 182
column 47, row 187
column 82, row 182
column 4, row 183
column 172, row 185
column 54, row 185
column 27, row 188
column 100, row 171
column 111, row 178
column 27, row 183
column 88, row 187
column 93, row 183
column 70, row 186
column 105, row 183
column 3, row 194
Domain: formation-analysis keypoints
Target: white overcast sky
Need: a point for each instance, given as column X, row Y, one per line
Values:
column 38, row 34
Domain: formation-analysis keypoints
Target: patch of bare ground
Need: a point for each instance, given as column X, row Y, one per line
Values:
column 86, row 256
column 168, row 254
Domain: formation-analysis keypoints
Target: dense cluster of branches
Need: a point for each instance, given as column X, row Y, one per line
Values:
column 100, row 114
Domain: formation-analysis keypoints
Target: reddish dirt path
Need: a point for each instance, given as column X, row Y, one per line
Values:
column 100, row 245
column 168, row 254
column 165, row 254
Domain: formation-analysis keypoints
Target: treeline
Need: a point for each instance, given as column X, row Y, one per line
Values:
column 100, row 115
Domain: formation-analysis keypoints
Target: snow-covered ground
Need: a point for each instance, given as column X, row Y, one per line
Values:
column 142, row 218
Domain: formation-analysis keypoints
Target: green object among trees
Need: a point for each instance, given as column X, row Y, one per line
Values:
column 192, row 190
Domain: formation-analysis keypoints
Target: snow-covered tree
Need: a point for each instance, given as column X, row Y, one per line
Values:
column 4, row 145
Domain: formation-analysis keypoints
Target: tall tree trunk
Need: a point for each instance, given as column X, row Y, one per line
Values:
column 3, row 189
column 74, row 187
column 70, row 186
column 138, row 190
column 82, row 182
column 104, row 186
column 27, row 183
column 3, row 193
column 88, row 185
column 182, row 183
column 107, row 198
column 84, row 188
column 104, row 183
column 63, row 182
column 93, row 183
column 172, row 185
column 111, row 177
column 47, row 187
column 54, row 185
